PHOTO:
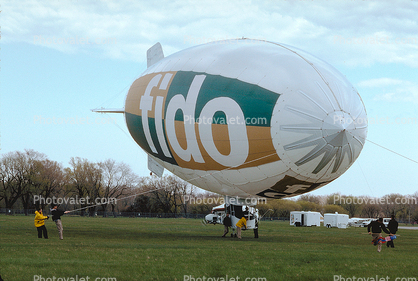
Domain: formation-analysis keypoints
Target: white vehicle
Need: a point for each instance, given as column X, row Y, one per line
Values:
column 356, row 222
column 366, row 222
column 237, row 210
column 335, row 220
column 301, row 218
column 359, row 222
column 217, row 215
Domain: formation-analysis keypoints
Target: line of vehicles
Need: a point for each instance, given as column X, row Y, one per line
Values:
column 297, row 218
column 364, row 222
column 302, row 218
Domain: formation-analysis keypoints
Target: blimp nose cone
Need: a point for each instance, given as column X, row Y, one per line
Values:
column 319, row 134
column 339, row 128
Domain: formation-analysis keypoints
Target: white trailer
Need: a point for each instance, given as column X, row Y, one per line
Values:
column 335, row 220
column 301, row 218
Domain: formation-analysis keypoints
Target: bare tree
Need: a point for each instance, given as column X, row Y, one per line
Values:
column 370, row 209
column 203, row 203
column 117, row 180
column 47, row 179
column 9, row 174
column 84, row 180
column 311, row 198
column 334, row 208
column 283, row 207
column 164, row 194
column 16, row 172
column 182, row 190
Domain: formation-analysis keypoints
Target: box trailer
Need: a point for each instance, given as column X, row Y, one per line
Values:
column 335, row 220
column 302, row 218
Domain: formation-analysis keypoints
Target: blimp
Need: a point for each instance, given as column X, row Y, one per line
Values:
column 246, row 118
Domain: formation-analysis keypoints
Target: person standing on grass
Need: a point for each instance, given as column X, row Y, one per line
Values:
column 242, row 223
column 227, row 224
column 56, row 217
column 40, row 223
column 377, row 226
column 393, row 228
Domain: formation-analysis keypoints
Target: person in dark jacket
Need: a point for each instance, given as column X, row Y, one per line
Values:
column 393, row 228
column 56, row 217
column 377, row 226
column 227, row 224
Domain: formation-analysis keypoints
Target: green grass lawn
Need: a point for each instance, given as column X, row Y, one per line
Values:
column 174, row 249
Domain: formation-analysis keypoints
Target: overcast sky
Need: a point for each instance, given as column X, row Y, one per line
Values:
column 59, row 59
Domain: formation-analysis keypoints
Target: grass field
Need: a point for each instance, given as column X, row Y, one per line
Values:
column 183, row 249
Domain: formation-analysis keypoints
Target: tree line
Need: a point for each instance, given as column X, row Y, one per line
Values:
column 29, row 175
column 29, row 179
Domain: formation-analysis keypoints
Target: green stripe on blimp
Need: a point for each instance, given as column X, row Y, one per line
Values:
column 256, row 102
column 134, row 124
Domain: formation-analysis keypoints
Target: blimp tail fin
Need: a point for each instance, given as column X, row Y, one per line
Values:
column 155, row 167
column 154, row 54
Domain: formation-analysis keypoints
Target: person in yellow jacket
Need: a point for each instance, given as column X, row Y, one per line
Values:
column 242, row 223
column 40, row 223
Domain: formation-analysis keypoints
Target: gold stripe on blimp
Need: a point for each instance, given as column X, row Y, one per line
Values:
column 261, row 149
column 137, row 90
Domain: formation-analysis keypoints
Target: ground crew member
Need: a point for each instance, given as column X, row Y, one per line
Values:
column 242, row 223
